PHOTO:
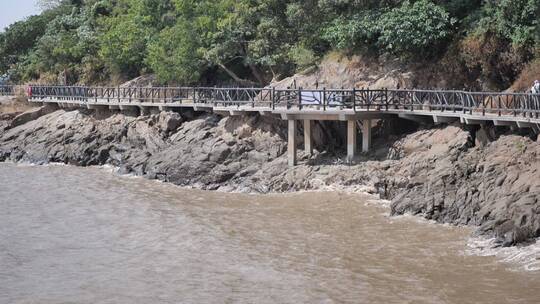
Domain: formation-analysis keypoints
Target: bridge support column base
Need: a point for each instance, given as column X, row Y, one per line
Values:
column 366, row 135
column 291, row 146
column 351, row 140
column 308, row 138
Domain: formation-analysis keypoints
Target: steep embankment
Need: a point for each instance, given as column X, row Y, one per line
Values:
column 337, row 70
column 446, row 173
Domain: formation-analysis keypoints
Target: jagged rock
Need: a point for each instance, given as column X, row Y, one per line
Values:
column 32, row 115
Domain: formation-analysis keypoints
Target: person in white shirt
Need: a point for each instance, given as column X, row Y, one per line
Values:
column 536, row 87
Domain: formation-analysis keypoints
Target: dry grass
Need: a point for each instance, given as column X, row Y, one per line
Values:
column 526, row 78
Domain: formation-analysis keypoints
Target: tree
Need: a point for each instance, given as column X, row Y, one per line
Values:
column 174, row 56
column 19, row 39
column 128, row 32
column 414, row 29
column 49, row 4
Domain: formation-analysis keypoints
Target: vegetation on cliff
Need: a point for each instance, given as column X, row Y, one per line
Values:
column 256, row 41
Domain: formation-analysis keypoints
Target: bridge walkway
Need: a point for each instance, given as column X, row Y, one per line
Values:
column 358, row 107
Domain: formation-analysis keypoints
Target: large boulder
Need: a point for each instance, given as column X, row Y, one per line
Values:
column 32, row 114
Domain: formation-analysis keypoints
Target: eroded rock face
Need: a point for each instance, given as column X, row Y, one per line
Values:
column 439, row 173
column 443, row 177
column 206, row 151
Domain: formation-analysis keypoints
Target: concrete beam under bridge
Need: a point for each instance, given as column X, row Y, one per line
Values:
column 291, row 145
column 444, row 119
column 97, row 107
column 504, row 123
column 298, row 115
column 351, row 140
column 366, row 135
column 423, row 119
column 524, row 125
column 308, row 137
column 202, row 109
column 470, row 121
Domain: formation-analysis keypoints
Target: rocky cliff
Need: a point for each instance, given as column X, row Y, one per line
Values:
column 488, row 177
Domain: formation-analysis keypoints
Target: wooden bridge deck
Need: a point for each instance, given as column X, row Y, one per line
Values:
column 519, row 110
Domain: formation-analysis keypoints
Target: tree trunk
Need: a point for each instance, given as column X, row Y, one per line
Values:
column 234, row 76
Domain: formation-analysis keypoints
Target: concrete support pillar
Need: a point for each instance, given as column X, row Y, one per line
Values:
column 308, row 138
column 291, row 146
column 366, row 135
column 351, row 139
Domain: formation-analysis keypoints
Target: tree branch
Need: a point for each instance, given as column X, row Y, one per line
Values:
column 234, row 76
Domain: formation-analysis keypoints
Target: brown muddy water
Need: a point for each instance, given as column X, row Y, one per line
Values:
column 84, row 235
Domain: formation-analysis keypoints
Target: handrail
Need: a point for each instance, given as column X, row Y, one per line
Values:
column 7, row 90
column 357, row 99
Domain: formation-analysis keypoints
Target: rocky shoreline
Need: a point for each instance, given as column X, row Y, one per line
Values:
column 484, row 177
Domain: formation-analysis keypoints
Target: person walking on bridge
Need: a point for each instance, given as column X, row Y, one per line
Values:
column 536, row 87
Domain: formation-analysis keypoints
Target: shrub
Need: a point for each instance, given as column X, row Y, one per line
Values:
column 352, row 33
column 514, row 20
column 417, row 28
column 174, row 56
column 303, row 57
column 504, row 41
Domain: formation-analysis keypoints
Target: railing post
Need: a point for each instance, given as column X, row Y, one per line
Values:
column 483, row 104
column 354, row 99
column 164, row 95
column 299, row 98
column 214, row 98
column 524, row 109
column 386, row 98
column 324, row 99
column 368, row 100
column 273, row 98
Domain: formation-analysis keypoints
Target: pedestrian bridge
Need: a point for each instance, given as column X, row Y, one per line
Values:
column 356, row 106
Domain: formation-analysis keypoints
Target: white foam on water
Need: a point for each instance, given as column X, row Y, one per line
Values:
column 31, row 164
column 109, row 168
column 522, row 257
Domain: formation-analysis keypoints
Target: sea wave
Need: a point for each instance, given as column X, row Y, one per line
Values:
column 521, row 257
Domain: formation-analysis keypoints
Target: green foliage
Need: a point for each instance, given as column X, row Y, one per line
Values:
column 414, row 28
column 302, row 56
column 19, row 39
column 514, row 20
column 357, row 32
column 409, row 29
column 504, row 40
column 123, row 45
column 254, row 41
column 127, row 33
column 174, row 56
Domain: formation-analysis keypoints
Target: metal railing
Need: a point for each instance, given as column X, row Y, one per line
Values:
column 7, row 90
column 482, row 103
